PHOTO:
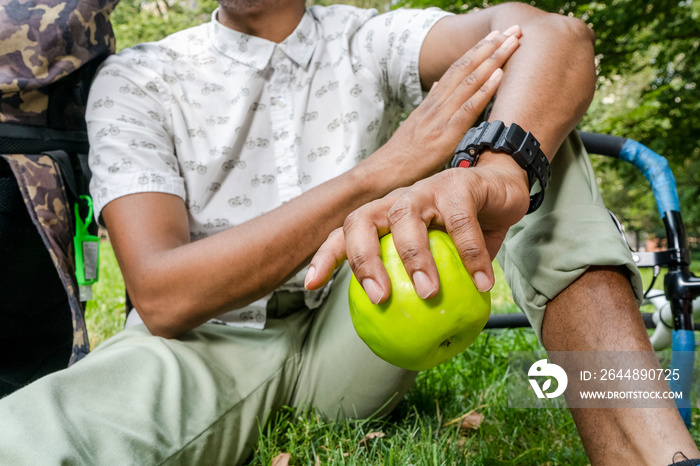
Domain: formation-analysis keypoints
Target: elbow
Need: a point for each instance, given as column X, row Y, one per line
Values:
column 567, row 26
column 536, row 22
column 572, row 35
column 571, row 42
column 164, row 316
column 576, row 31
column 160, row 327
column 568, row 34
column 579, row 42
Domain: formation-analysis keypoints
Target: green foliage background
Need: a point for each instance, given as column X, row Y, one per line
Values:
column 648, row 67
column 137, row 21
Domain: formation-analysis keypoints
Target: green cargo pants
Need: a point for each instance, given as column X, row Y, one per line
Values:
column 199, row 399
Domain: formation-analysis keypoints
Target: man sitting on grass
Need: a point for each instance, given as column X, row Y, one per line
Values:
column 225, row 154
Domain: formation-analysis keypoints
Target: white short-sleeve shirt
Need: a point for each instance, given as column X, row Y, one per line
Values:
column 236, row 125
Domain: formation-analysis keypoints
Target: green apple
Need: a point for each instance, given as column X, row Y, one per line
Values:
column 414, row 333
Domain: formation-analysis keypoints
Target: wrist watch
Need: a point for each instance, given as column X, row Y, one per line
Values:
column 514, row 141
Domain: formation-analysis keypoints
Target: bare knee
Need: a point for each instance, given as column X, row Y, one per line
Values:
column 596, row 312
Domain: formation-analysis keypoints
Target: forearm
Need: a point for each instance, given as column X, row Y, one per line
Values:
column 549, row 82
column 179, row 285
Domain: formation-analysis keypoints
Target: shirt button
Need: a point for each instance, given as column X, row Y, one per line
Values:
column 281, row 103
column 279, row 53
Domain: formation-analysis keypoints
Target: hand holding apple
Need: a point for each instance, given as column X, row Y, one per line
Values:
column 414, row 333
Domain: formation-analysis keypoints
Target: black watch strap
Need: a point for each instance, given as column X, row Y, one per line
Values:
column 513, row 140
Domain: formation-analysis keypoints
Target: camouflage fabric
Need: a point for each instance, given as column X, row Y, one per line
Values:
column 43, row 41
column 50, row 50
column 40, row 182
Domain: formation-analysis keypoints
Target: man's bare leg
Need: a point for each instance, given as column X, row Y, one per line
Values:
column 598, row 312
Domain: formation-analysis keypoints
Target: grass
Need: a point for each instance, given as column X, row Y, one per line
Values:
column 425, row 428
column 106, row 314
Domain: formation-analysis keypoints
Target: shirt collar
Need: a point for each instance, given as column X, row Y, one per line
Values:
column 256, row 51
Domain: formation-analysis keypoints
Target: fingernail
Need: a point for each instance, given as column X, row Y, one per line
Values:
column 496, row 74
column 310, row 274
column 510, row 41
column 374, row 292
column 511, row 30
column 491, row 35
column 482, row 282
column 422, row 284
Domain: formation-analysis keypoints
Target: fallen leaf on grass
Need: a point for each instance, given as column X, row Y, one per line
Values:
column 471, row 420
column 371, row 436
column 281, row 460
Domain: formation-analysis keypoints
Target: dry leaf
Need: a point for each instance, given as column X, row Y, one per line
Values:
column 371, row 436
column 471, row 415
column 281, row 460
column 471, row 420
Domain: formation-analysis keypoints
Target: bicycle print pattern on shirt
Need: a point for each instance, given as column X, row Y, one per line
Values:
column 237, row 125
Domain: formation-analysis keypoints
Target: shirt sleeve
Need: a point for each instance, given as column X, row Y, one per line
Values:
column 389, row 45
column 132, row 149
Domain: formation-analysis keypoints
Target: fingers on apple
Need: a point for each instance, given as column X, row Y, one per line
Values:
column 362, row 229
column 409, row 219
column 459, row 213
column 329, row 256
column 465, row 231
